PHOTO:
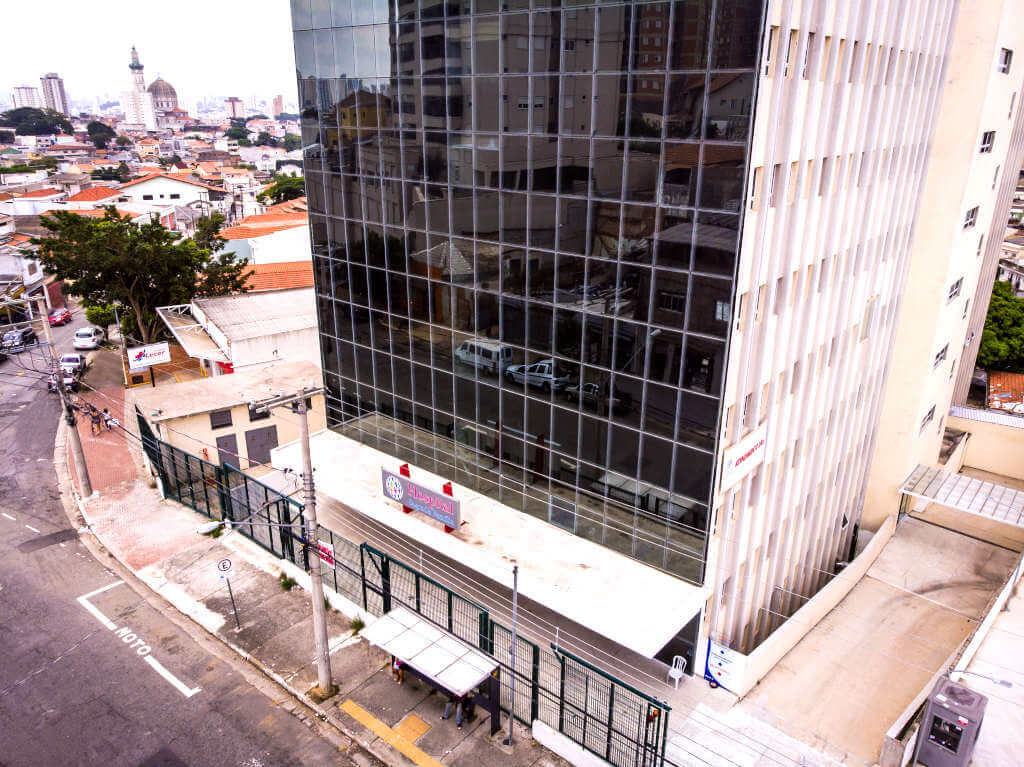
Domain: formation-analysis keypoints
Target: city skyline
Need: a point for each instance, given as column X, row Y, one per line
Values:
column 262, row 41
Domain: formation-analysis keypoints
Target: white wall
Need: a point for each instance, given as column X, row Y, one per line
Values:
column 293, row 346
column 286, row 245
column 823, row 254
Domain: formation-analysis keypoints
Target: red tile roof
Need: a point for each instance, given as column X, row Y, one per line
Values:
column 287, row 274
column 264, row 224
column 94, row 193
column 47, row 191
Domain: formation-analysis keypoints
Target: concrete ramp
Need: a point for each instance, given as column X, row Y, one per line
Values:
column 853, row 674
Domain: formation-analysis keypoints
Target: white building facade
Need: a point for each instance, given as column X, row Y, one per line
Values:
column 27, row 96
column 54, row 95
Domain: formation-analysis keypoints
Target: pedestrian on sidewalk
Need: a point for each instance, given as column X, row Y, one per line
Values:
column 463, row 708
column 94, row 420
column 106, row 418
column 398, row 671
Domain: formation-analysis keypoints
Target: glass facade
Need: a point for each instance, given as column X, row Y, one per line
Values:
column 525, row 220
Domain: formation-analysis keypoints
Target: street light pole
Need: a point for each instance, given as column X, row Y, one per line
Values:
column 512, row 655
column 325, row 687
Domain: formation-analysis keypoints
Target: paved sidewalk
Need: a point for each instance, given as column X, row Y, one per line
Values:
column 157, row 540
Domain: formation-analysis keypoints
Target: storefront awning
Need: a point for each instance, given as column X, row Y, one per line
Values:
column 636, row 606
column 963, row 493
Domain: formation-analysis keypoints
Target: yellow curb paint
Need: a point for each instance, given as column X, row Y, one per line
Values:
column 388, row 735
column 411, row 728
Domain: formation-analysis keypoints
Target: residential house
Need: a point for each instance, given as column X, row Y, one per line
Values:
column 212, row 417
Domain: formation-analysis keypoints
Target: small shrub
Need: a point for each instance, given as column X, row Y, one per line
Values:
column 327, row 605
column 357, row 624
column 286, row 583
column 217, row 532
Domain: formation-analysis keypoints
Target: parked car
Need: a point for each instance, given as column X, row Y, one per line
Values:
column 544, row 374
column 598, row 397
column 73, row 362
column 88, row 338
column 485, row 355
column 16, row 340
column 71, row 378
column 59, row 317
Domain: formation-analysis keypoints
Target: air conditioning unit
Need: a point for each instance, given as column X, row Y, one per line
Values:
column 950, row 725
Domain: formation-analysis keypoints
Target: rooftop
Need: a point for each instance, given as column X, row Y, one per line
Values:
column 94, row 193
column 249, row 315
column 204, row 395
column 281, row 276
column 47, row 191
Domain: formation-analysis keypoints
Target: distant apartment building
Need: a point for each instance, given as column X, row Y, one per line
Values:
column 234, row 107
column 54, row 95
column 27, row 96
column 975, row 163
column 635, row 271
column 278, row 106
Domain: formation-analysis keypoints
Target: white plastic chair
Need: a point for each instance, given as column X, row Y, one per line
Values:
column 678, row 669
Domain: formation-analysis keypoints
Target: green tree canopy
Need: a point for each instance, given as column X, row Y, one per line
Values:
column 283, row 188
column 1002, row 341
column 101, row 315
column 28, row 121
column 291, row 142
column 237, row 133
column 139, row 266
column 265, row 139
column 99, row 133
column 6, row 137
column 123, row 141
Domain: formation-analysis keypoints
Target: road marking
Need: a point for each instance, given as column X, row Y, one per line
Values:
column 188, row 693
column 8, row 516
column 21, row 373
column 388, row 735
column 126, row 635
column 32, row 528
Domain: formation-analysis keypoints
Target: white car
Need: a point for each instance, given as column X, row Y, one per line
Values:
column 546, row 374
column 88, row 338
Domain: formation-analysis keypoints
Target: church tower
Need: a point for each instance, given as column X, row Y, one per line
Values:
column 138, row 79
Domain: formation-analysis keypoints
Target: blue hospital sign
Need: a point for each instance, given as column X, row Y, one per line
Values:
column 435, row 505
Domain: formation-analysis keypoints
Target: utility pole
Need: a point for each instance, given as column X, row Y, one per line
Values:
column 120, row 338
column 325, row 687
column 77, row 455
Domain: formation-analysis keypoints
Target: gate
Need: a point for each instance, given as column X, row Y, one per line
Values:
column 609, row 718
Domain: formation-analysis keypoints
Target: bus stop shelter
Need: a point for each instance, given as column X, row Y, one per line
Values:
column 439, row 658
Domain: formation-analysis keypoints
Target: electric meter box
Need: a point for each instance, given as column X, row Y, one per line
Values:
column 950, row 725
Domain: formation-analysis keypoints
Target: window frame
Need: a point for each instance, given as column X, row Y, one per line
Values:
column 214, row 417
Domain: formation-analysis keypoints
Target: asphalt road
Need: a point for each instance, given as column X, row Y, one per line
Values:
column 74, row 692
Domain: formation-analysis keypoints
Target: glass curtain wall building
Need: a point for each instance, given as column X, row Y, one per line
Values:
column 525, row 225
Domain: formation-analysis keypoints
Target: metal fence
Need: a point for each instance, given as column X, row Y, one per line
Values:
column 605, row 716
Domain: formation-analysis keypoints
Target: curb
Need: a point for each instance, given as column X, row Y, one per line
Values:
column 75, row 510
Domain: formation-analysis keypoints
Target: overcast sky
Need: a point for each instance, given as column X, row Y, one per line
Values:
column 201, row 47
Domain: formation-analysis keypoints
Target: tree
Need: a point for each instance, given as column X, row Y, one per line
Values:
column 291, row 142
column 237, row 133
column 102, row 316
column 244, row 142
column 265, row 139
column 124, row 173
column 139, row 266
column 1002, row 340
column 28, row 121
column 123, row 141
column 6, row 137
column 99, row 133
column 284, row 188
column 224, row 273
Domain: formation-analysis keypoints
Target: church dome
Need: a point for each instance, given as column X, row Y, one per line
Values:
column 164, row 95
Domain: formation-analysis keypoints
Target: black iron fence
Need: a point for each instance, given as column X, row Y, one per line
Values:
column 607, row 717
